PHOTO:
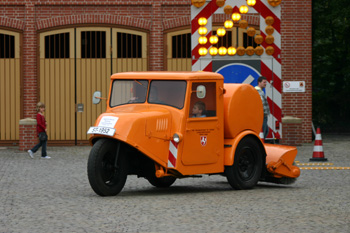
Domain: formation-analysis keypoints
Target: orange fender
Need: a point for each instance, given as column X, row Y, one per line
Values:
column 230, row 146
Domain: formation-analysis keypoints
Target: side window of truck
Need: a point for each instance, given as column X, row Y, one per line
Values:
column 168, row 92
column 203, row 106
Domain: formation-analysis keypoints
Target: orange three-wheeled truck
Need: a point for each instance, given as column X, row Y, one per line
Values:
column 168, row 125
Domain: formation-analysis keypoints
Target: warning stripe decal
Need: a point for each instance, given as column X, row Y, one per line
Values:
column 277, row 83
column 172, row 154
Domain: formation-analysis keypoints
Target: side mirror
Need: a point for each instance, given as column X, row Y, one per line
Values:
column 96, row 97
column 201, row 92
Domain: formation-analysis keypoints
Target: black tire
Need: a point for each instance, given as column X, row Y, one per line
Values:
column 163, row 182
column 247, row 167
column 106, row 179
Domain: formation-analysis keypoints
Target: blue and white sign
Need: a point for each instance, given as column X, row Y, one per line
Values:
column 239, row 73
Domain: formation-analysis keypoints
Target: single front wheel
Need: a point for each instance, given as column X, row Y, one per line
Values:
column 246, row 169
column 107, row 167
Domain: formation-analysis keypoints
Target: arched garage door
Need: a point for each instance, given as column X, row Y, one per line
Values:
column 76, row 62
column 178, row 54
column 10, row 73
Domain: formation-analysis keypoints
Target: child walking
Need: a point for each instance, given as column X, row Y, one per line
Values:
column 41, row 132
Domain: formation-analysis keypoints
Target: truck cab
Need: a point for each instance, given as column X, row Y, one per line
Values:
column 168, row 125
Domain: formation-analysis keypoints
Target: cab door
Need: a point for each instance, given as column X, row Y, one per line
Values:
column 203, row 137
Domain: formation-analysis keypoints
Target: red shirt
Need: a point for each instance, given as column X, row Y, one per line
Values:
column 41, row 123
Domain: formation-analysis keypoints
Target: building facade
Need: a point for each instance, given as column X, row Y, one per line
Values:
column 60, row 52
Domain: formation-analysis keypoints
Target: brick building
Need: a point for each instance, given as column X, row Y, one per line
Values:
column 60, row 52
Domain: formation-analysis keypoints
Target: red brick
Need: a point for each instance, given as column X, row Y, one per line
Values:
column 28, row 16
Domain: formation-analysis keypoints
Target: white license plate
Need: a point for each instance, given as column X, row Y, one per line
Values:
column 101, row 130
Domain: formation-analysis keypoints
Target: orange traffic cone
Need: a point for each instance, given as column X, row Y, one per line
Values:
column 318, row 154
column 261, row 135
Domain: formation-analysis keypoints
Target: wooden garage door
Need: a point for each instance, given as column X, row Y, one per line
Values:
column 10, row 72
column 56, row 82
column 93, row 73
column 179, row 51
column 76, row 62
column 129, row 50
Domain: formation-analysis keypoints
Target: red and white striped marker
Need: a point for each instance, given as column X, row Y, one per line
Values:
column 172, row 154
column 271, row 66
column 318, row 154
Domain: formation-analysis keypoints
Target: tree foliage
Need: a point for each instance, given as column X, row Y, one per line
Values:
column 331, row 64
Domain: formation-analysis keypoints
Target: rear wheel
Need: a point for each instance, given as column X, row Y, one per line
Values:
column 107, row 168
column 247, row 167
column 163, row 182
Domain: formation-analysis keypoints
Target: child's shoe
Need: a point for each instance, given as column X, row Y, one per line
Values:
column 31, row 154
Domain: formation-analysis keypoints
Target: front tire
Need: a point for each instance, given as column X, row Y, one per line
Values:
column 247, row 167
column 107, row 176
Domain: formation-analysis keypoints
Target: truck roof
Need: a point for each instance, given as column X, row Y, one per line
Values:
column 168, row 75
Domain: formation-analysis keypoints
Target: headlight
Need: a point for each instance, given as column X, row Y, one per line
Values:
column 177, row 137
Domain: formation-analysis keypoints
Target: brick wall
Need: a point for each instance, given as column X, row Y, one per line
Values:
column 292, row 133
column 155, row 17
column 27, row 136
column 296, row 55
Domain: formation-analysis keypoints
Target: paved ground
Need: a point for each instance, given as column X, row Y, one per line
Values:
column 54, row 195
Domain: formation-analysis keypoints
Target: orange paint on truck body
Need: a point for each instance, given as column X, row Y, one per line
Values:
column 153, row 113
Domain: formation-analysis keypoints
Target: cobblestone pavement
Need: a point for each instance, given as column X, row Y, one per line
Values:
column 39, row 195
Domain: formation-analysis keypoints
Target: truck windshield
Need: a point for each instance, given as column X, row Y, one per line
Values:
column 170, row 93
column 128, row 91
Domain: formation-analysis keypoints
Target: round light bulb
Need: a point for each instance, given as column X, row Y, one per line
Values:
column 213, row 51
column 202, row 21
column 243, row 9
column 236, row 17
column 251, row 2
column 202, row 40
column 222, row 51
column 231, row 51
column 202, row 51
column 221, row 32
column 228, row 24
column 202, row 31
column 213, row 39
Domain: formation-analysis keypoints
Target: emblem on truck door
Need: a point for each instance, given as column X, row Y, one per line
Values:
column 203, row 140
